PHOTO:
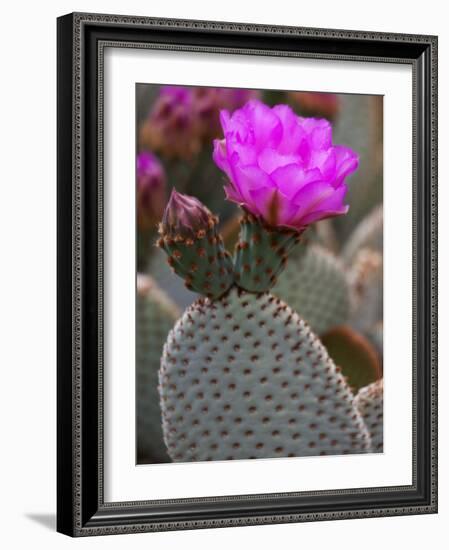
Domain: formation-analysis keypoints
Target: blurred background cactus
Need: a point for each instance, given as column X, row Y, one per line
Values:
column 333, row 280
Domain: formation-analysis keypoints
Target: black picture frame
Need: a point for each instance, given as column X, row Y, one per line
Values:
column 81, row 509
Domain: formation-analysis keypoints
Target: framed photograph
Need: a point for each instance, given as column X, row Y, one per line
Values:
column 247, row 274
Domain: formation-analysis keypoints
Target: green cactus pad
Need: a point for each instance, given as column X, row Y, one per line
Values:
column 314, row 284
column 366, row 280
column 201, row 260
column 368, row 234
column 369, row 402
column 244, row 377
column 155, row 316
column 261, row 253
column 354, row 354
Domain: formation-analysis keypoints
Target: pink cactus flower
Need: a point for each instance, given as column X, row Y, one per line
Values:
column 281, row 167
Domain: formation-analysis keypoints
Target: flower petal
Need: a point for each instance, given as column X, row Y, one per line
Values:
column 309, row 197
column 346, row 162
column 266, row 125
column 291, row 178
column 292, row 131
column 319, row 131
column 270, row 159
column 220, row 158
column 247, row 178
column 272, row 205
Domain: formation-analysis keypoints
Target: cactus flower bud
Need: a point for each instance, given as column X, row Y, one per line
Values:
column 150, row 191
column 185, row 216
column 194, row 247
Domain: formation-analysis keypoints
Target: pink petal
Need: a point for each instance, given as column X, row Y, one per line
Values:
column 325, row 161
column 232, row 194
column 319, row 131
column 311, row 195
column 265, row 124
column 347, row 162
column 292, row 131
column 270, row 159
column 247, row 178
column 291, row 178
column 331, row 206
column 220, row 158
column 272, row 205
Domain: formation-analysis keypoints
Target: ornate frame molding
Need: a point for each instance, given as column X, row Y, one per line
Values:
column 82, row 511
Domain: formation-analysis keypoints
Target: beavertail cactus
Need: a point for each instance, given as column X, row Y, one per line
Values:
column 155, row 315
column 242, row 375
column 314, row 283
column 370, row 402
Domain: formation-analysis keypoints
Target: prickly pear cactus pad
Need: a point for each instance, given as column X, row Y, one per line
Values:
column 244, row 377
column 261, row 253
column 314, row 283
column 155, row 316
column 370, row 403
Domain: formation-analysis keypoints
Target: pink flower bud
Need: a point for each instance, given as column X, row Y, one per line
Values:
column 185, row 216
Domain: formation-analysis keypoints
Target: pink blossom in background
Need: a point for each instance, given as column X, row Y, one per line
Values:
column 317, row 104
column 172, row 128
column 281, row 167
column 210, row 101
column 184, row 118
column 151, row 192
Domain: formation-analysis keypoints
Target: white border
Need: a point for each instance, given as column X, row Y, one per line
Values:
column 122, row 479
